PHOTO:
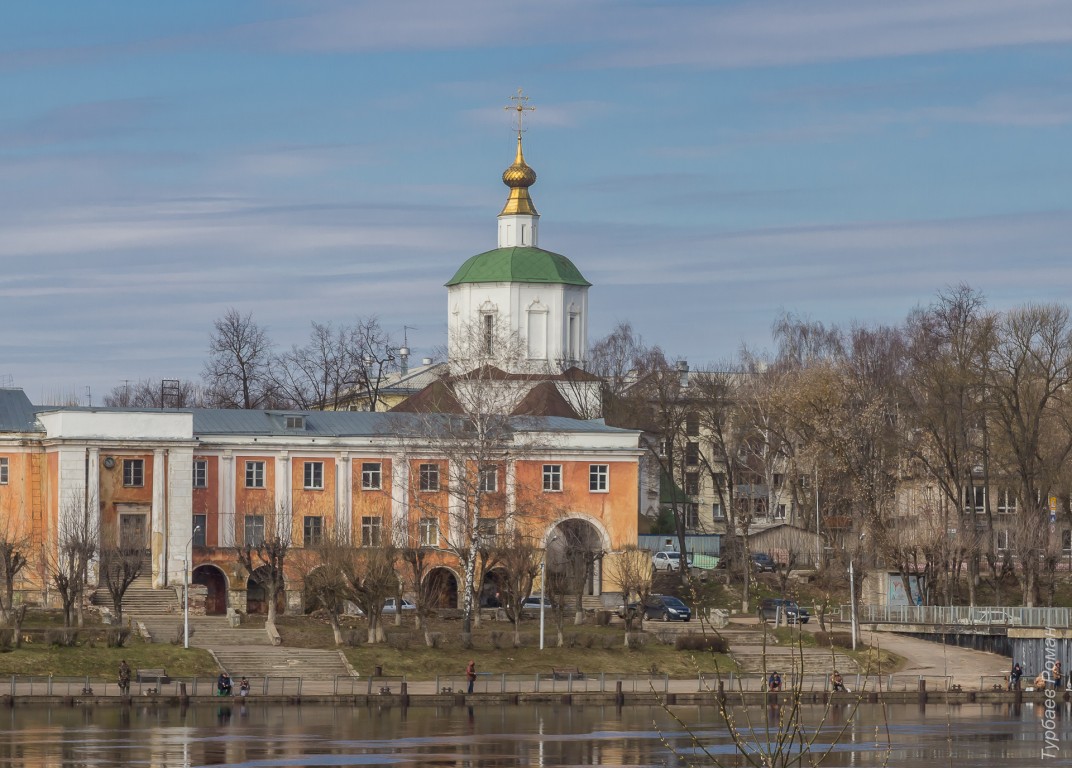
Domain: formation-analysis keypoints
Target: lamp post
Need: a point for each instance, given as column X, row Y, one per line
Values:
column 186, row 589
column 543, row 586
column 852, row 595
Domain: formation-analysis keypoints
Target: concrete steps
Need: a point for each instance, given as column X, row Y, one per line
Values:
column 205, row 631
column 140, row 599
column 817, row 661
column 257, row 661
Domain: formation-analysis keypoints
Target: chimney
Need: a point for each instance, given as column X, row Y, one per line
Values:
column 683, row 373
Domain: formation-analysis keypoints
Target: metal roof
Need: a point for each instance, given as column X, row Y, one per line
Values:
column 17, row 413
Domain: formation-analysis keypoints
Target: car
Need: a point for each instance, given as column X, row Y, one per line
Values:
column 667, row 608
column 761, row 561
column 533, row 603
column 666, row 561
column 390, row 607
column 770, row 609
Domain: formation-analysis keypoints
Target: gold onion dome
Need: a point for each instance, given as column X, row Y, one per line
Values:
column 519, row 177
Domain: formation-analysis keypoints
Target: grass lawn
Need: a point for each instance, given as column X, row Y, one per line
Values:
column 98, row 661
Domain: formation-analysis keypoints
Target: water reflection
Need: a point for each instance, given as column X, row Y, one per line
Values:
column 252, row 734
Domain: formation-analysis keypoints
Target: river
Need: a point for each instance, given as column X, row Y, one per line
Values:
column 260, row 735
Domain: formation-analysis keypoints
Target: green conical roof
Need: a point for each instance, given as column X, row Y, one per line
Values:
column 521, row 264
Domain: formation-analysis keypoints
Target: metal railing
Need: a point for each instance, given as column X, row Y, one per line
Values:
column 566, row 682
column 959, row 615
column 50, row 685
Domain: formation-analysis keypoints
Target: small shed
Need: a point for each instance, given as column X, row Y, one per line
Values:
column 783, row 540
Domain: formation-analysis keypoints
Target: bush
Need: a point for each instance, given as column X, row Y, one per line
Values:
column 589, row 641
column 496, row 639
column 711, row 643
column 573, row 639
column 435, row 639
column 8, row 638
column 354, row 638
column 833, row 639
column 602, row 618
column 61, row 637
column 399, row 640
column 179, row 638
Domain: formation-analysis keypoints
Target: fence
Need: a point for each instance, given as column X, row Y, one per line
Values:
column 40, row 685
column 815, row 683
column 565, row 682
column 347, row 685
column 959, row 615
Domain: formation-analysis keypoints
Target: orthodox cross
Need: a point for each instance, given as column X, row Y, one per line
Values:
column 521, row 107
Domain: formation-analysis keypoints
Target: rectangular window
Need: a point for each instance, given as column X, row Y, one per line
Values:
column 489, row 334
column 692, row 516
column 778, row 480
column 429, row 532
column 314, row 475
column 200, row 526
column 1006, row 502
column 692, row 424
column 1002, row 540
column 716, row 511
column 254, row 474
column 719, row 479
column 428, row 477
column 664, row 448
column 692, row 484
column 200, row 473
column 1066, row 540
column 3, row 471
column 371, row 475
column 254, row 530
column 598, row 478
column 489, row 479
column 313, row 530
column 487, row 529
column 975, row 499
column 779, row 512
column 295, row 422
column 133, row 473
column 371, row 531
column 692, row 454
column 552, row 477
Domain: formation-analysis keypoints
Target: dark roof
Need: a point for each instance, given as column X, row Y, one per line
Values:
column 545, row 400
column 437, row 397
column 17, row 413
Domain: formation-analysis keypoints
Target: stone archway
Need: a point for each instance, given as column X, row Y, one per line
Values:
column 575, row 550
column 490, row 589
column 215, row 582
column 442, row 588
column 257, row 598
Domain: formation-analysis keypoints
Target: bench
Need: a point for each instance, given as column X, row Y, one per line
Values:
column 566, row 673
column 158, row 676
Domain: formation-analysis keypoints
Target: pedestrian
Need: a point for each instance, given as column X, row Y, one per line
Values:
column 243, row 687
column 1057, row 675
column 223, row 685
column 774, row 682
column 1014, row 677
column 836, row 683
column 470, row 674
column 124, row 678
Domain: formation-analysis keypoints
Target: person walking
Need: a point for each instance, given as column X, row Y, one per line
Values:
column 1057, row 675
column 1014, row 677
column 124, row 678
column 774, row 682
column 470, row 674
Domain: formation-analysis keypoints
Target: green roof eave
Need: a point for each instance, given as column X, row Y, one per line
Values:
column 519, row 264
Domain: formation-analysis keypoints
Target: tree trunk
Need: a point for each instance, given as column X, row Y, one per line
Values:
column 269, row 622
column 336, row 630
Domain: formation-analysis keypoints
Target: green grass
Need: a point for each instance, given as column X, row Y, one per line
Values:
column 98, row 661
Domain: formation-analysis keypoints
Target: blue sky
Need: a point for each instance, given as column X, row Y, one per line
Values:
column 706, row 165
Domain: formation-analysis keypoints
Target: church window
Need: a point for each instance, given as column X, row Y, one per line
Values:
column 572, row 336
column 3, row 471
column 537, row 334
column 488, row 331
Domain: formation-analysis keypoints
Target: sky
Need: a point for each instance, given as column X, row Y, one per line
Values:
column 706, row 165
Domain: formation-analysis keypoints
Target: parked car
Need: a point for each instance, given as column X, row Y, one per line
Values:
column 790, row 610
column 666, row 561
column 389, row 605
column 761, row 561
column 533, row 603
column 664, row 607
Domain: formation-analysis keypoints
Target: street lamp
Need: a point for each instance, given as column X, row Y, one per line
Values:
column 543, row 586
column 852, row 595
column 186, row 589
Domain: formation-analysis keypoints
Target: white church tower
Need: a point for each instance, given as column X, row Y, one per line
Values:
column 520, row 290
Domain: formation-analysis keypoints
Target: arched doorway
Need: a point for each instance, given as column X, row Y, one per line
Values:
column 575, row 556
column 490, row 589
column 257, row 596
column 442, row 588
column 215, row 582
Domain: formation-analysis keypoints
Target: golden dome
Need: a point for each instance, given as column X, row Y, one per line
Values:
column 519, row 177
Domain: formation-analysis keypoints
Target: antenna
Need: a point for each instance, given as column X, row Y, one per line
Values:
column 403, row 351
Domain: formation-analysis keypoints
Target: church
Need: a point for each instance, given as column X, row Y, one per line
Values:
column 190, row 486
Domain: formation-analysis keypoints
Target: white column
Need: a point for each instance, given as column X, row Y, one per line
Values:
column 344, row 507
column 225, row 501
column 399, row 489
column 157, row 528
column 282, row 493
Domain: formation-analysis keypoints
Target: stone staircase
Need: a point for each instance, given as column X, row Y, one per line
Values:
column 141, row 599
column 809, row 661
column 210, row 632
column 258, row 661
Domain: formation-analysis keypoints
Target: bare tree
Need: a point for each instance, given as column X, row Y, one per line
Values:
column 120, row 566
column 630, row 571
column 372, row 577
column 325, row 585
column 519, row 563
column 14, row 557
column 265, row 557
column 152, row 393
column 238, row 372
column 77, row 543
column 416, row 555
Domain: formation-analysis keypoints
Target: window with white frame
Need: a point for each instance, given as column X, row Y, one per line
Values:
column 133, row 473
column 975, row 499
column 692, row 424
column 295, row 422
column 598, row 478
column 552, row 477
column 489, row 479
column 1001, row 537
column 313, row 530
column 692, row 454
column 3, row 470
column 371, row 475
column 428, row 477
column 254, row 474
column 429, row 532
column 692, row 484
column 1066, row 540
column 314, row 475
column 371, row 531
column 488, row 329
column 717, row 512
column 487, row 529
column 200, row 525
column 1006, row 502
column 779, row 512
column 254, row 530
column 200, row 473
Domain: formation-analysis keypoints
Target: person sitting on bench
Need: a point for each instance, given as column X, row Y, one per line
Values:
column 223, row 685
